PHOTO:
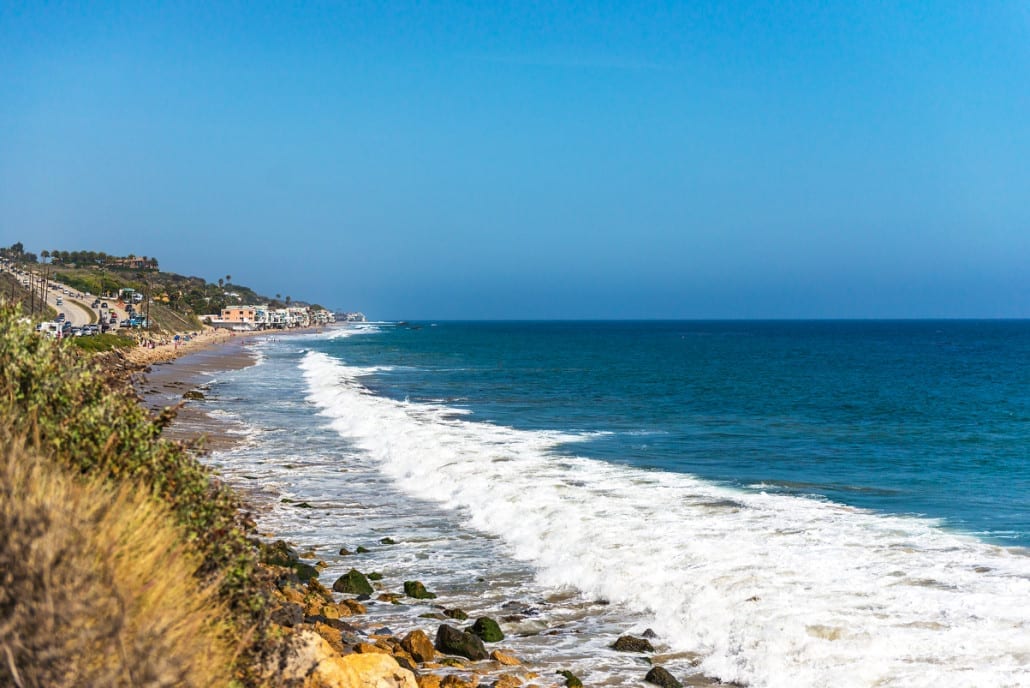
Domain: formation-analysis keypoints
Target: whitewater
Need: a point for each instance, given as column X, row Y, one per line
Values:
column 764, row 589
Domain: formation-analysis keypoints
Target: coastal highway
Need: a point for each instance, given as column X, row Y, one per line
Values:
column 77, row 313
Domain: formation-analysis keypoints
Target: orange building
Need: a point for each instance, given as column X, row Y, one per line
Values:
column 239, row 314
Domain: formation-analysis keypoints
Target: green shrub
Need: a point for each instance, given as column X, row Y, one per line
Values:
column 102, row 342
column 60, row 400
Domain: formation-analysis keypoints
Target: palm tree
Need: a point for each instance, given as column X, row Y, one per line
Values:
column 228, row 278
column 221, row 282
column 288, row 299
column 44, row 254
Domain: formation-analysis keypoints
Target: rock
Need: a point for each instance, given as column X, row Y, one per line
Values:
column 417, row 590
column 316, row 588
column 650, row 634
column 387, row 541
column 366, row 648
column 507, row 681
column 571, row 680
column 455, row 681
column 289, row 614
column 660, row 677
column 504, row 658
column 456, row 614
column 344, row 552
column 278, row 553
column 303, row 505
column 419, row 646
column 305, row 572
column 354, row 583
column 628, row 643
column 375, row 576
column 429, row 681
column 452, row 641
column 487, row 629
column 193, row 395
column 354, row 607
column 433, row 615
column 379, row 671
column 362, row 550
column 456, row 662
column 391, row 597
column 313, row 663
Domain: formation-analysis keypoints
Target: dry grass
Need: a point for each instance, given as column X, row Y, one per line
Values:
column 96, row 588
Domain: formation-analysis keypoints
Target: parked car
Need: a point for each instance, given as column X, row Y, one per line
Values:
column 60, row 317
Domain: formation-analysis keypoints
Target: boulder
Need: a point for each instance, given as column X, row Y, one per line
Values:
column 456, row 614
column 507, row 681
column 451, row 641
column 487, row 629
column 305, row 572
column 353, row 582
column 362, row 550
column 344, row 552
column 313, row 663
column 504, row 658
column 455, row 681
column 375, row 576
column 278, row 553
column 417, row 590
column 660, row 677
column 316, row 588
column 628, row 643
column 354, row 607
column 387, row 541
column 571, row 680
column 429, row 681
column 419, row 646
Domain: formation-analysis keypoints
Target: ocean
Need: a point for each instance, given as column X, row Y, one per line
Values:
column 780, row 503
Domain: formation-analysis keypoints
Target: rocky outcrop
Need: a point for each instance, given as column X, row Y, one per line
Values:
column 451, row 641
column 571, row 680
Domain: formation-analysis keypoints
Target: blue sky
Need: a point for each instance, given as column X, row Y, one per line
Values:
column 551, row 160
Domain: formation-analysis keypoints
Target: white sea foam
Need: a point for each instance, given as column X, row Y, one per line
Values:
column 770, row 589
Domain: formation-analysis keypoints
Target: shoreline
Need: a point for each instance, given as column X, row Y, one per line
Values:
column 180, row 376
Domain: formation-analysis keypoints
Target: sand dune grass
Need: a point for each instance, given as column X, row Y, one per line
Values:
column 96, row 586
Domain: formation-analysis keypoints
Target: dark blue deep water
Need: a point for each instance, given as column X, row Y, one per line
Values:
column 927, row 418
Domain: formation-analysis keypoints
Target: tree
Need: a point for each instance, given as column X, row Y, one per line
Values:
column 228, row 279
column 44, row 254
column 288, row 299
column 221, row 282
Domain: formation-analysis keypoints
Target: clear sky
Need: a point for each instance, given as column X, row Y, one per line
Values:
column 535, row 160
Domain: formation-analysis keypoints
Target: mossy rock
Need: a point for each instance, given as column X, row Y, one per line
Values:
column 362, row 550
column 387, row 541
column 659, row 676
column 487, row 629
column 305, row 572
column 571, row 680
column 354, row 583
column 278, row 553
column 417, row 590
column 375, row 576
column 344, row 552
column 193, row 395
column 456, row 614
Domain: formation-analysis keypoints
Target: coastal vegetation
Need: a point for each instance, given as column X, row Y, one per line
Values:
column 96, row 445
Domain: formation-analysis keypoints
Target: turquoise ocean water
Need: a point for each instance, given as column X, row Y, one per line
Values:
column 784, row 503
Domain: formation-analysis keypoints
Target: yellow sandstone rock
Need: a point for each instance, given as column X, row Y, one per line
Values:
column 504, row 658
column 314, row 662
column 369, row 648
column 354, row 607
column 429, row 681
column 455, row 681
column 418, row 644
column 507, row 681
